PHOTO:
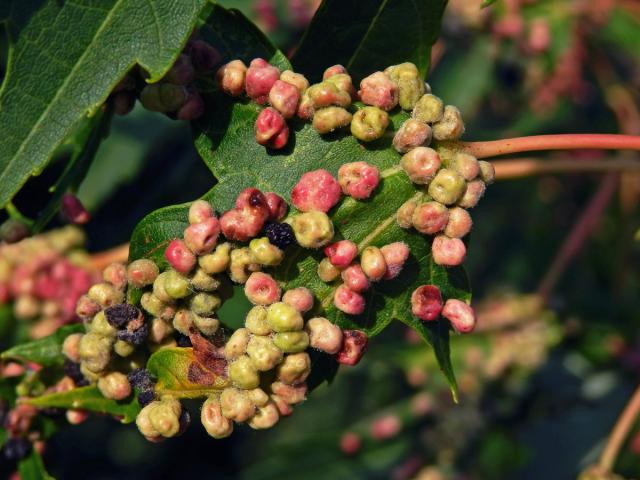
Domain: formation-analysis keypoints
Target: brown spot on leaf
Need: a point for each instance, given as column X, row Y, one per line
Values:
column 198, row 375
column 210, row 355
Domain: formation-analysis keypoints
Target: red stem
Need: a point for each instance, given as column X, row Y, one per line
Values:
column 569, row 141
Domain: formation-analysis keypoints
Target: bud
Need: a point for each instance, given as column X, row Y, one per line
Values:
column 204, row 303
column 473, row 193
column 177, row 286
column 404, row 215
column 387, row 426
column 410, row 86
column 262, row 289
column 373, row 263
column 237, row 344
column 358, row 179
column 429, row 109
column 26, row 307
column 369, row 124
column 115, row 386
column 294, row 369
column 350, row 443
column 277, row 206
column 411, row 134
column 395, row 255
column 179, row 256
column 231, row 77
column 324, row 335
column 163, row 97
column 448, row 251
column 460, row 314
column 71, row 347
column 296, row 79
column 116, row 275
column 213, row 421
column 328, row 119
column 264, row 252
column 271, row 129
column 421, row 164
column 216, row 262
column 451, row 126
column 459, row 223
column 182, row 71
column 430, row 217
column 256, row 321
column 143, row 422
column 379, row 90
column 354, row 346
column 447, row 187
column 73, row 210
column 141, row 273
column 12, row 231
column 284, row 318
column 105, row 294
column 284, row 97
column 348, row 301
column 312, row 229
column 333, row 70
column 487, row 172
column 327, row 271
column 354, row 278
column 203, row 282
column 260, row 78
column 264, row 353
column 426, row 302
column 242, row 261
column 122, row 102
column 199, row 211
column 291, row 342
column 236, row 405
column 299, row 298
column 265, row 417
column 243, row 373
column 326, row 94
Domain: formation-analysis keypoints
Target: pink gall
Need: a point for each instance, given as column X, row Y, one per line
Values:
column 348, row 301
column 448, row 252
column 354, row 346
column 341, row 253
column 358, row 179
column 460, row 314
column 426, row 302
column 395, row 255
column 179, row 256
column 259, row 79
column 316, row 190
column 355, row 279
column 379, row 90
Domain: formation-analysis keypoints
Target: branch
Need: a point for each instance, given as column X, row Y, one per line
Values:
column 524, row 167
column 620, row 432
column 578, row 141
column 101, row 260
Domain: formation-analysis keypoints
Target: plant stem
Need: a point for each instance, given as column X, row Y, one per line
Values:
column 569, row 141
column 101, row 260
column 525, row 167
column 620, row 432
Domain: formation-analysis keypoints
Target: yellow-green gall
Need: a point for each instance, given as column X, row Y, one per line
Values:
column 95, row 351
column 404, row 215
column 242, row 262
column 282, row 317
column 206, row 325
column 429, row 109
column 165, row 416
column 329, row 119
column 295, row 368
column 291, row 342
column 176, row 285
column 163, row 97
column 105, row 294
column 183, row 321
column 204, row 282
column 327, row 271
column 258, row 396
column 373, row 263
column 123, row 349
column 447, row 186
column 324, row 94
column 236, row 405
column 312, row 229
column 296, row 79
column 264, row 252
column 159, row 330
column 369, row 123
column 324, row 335
column 256, row 321
column 410, row 86
column 216, row 262
column 204, row 303
column 71, row 347
column 100, row 326
column 243, row 373
column 159, row 290
column 237, row 344
column 342, row 81
column 156, row 307
column 263, row 352
column 265, row 417
column 451, row 126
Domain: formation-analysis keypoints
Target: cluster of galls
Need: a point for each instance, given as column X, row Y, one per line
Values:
column 175, row 94
column 44, row 276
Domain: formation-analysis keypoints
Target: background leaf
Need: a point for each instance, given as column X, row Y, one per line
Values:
column 365, row 36
column 65, row 57
column 89, row 398
column 32, row 468
column 45, row 351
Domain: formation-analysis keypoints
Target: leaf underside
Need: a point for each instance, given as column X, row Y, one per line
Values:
column 224, row 137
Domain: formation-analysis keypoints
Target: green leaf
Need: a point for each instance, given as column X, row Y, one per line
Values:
column 180, row 374
column 45, row 351
column 487, row 3
column 89, row 398
column 225, row 139
column 369, row 35
column 32, row 468
column 65, row 58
